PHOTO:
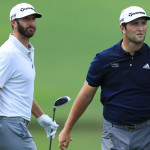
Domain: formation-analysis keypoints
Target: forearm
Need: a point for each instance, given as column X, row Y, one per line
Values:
column 76, row 111
column 82, row 101
column 36, row 110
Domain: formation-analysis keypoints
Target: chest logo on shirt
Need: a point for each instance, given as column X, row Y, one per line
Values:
column 115, row 65
column 146, row 66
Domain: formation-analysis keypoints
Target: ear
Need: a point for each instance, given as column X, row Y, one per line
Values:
column 122, row 28
column 13, row 23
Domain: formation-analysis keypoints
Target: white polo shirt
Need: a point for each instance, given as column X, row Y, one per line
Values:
column 17, row 74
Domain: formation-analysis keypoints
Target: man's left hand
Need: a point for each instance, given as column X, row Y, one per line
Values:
column 48, row 124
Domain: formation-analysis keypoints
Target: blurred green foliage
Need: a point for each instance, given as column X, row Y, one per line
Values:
column 66, row 41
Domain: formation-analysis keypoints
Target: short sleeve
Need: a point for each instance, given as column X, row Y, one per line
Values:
column 95, row 72
column 6, row 67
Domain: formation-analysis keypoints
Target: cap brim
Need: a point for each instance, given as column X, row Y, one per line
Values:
column 38, row 15
column 146, row 17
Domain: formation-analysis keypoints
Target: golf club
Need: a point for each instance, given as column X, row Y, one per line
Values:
column 59, row 102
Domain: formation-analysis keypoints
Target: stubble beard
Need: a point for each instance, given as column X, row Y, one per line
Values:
column 136, row 40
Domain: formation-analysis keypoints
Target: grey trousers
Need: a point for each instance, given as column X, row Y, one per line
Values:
column 114, row 138
column 14, row 135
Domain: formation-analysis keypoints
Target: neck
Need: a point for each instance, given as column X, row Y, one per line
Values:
column 130, row 46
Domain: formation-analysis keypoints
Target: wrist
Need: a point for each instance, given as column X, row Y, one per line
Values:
column 67, row 129
column 42, row 119
column 39, row 116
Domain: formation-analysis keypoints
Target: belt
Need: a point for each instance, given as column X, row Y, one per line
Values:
column 15, row 118
column 129, row 127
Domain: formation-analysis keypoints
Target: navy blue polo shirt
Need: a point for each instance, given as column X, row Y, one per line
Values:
column 125, row 84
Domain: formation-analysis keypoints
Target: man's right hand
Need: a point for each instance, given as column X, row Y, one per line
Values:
column 64, row 139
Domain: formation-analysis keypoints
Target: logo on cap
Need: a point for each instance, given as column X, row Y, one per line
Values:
column 122, row 20
column 13, row 16
column 23, row 9
column 131, row 14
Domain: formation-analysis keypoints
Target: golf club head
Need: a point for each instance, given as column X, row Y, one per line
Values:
column 61, row 101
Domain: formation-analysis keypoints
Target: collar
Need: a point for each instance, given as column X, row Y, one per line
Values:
column 123, row 52
column 20, row 46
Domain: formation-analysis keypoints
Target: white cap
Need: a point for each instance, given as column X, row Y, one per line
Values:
column 23, row 10
column 131, row 13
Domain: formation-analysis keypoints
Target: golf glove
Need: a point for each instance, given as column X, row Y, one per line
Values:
column 48, row 124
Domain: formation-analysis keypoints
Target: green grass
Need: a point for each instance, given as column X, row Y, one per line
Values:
column 67, row 39
column 85, row 136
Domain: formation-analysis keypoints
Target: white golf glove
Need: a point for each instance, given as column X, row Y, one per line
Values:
column 48, row 124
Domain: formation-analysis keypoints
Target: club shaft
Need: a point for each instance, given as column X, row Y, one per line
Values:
column 50, row 145
column 52, row 131
column 54, row 113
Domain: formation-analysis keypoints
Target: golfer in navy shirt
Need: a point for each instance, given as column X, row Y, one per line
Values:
column 123, row 73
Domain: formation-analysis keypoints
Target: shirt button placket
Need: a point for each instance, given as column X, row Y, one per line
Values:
column 131, row 62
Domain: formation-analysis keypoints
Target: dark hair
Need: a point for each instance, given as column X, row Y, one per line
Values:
column 124, row 25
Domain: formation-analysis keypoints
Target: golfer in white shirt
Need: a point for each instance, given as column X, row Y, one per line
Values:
column 17, row 74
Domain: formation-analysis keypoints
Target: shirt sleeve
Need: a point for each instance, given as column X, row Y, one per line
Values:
column 6, row 67
column 95, row 72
